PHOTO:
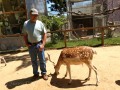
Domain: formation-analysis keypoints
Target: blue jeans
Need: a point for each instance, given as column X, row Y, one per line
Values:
column 34, row 52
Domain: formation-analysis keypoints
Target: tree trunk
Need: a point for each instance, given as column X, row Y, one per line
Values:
column 45, row 7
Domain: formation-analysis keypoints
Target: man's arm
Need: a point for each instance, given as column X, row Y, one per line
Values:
column 26, row 40
column 43, row 41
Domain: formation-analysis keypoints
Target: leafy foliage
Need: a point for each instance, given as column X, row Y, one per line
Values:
column 54, row 23
column 58, row 5
column 46, row 20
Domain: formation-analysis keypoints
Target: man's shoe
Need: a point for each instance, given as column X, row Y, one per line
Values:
column 35, row 77
column 45, row 77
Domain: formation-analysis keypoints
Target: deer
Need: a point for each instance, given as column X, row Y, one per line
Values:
column 2, row 58
column 76, row 56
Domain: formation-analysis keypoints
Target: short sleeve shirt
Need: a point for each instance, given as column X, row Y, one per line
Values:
column 34, row 31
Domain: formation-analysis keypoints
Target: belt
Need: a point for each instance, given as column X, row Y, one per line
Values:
column 35, row 43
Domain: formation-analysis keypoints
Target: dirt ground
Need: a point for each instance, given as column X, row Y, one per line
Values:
column 18, row 72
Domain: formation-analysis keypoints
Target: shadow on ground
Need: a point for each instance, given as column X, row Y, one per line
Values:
column 11, row 58
column 117, row 82
column 63, row 83
column 19, row 82
column 24, row 58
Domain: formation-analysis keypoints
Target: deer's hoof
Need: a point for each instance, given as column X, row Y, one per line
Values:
column 87, row 79
column 55, row 74
column 96, row 84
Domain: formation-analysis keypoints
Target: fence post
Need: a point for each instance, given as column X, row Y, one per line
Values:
column 65, row 39
column 102, row 37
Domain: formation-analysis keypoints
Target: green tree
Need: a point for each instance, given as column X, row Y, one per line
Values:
column 59, row 6
column 54, row 23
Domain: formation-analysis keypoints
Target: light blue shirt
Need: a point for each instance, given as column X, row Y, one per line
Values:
column 34, row 31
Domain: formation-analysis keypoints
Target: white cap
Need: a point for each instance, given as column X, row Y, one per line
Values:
column 34, row 11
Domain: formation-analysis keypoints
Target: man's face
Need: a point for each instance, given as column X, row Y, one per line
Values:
column 33, row 17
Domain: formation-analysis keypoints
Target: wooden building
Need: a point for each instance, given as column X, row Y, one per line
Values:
column 13, row 13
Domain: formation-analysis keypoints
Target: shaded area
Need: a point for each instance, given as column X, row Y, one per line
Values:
column 19, row 82
column 117, row 82
column 63, row 83
column 11, row 58
column 13, row 51
column 26, row 61
column 98, row 45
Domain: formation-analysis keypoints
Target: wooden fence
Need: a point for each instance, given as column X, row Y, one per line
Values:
column 102, row 28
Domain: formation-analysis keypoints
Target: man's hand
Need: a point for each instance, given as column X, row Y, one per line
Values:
column 26, row 40
column 28, row 45
column 41, row 47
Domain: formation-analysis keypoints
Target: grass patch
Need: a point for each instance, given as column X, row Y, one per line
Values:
column 90, row 42
column 60, row 44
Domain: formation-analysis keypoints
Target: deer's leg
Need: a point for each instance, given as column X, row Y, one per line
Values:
column 66, row 72
column 89, row 75
column 4, row 61
column 0, row 60
column 95, row 70
column 69, row 71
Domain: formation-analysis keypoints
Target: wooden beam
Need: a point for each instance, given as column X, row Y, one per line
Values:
column 78, row 0
column 12, row 12
column 95, row 14
column 84, row 28
column 13, row 35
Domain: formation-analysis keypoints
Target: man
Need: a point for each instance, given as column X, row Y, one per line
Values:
column 35, row 38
